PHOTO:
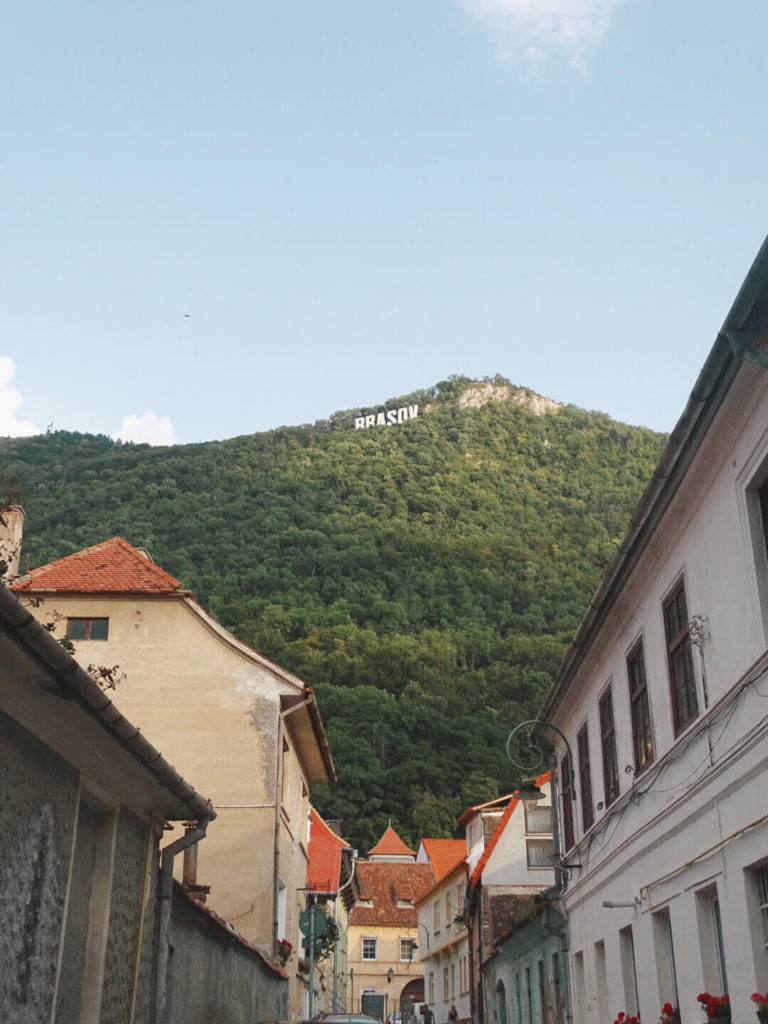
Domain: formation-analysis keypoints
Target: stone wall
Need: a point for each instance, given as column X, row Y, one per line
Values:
column 38, row 803
column 214, row 977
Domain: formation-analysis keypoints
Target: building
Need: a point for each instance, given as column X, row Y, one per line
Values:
column 329, row 880
column 383, row 927
column 443, row 942
column 662, row 699
column 250, row 731
column 84, row 798
column 515, row 938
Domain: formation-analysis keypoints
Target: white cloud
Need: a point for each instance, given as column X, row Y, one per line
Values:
column 533, row 30
column 147, row 429
column 10, row 402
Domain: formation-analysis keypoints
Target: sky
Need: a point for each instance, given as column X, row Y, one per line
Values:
column 218, row 219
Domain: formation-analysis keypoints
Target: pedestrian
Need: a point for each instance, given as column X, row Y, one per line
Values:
column 427, row 1016
column 453, row 1014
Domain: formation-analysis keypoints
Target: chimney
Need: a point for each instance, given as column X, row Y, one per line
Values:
column 11, row 526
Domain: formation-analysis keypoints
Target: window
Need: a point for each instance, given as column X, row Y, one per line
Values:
column 585, row 779
column 540, row 853
column 370, row 948
column 762, row 895
column 642, row 740
column 431, row 988
column 87, row 629
column 445, row 984
column 538, row 820
column 406, row 949
column 762, row 496
column 437, row 916
column 608, row 743
column 556, row 988
column 565, row 783
column 453, row 981
column 682, row 680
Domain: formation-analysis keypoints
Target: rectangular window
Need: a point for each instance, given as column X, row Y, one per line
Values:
column 542, row 986
column 608, row 743
column 538, row 820
column 556, row 989
column 437, row 916
column 565, row 784
column 431, row 988
column 453, row 981
column 445, row 984
column 539, row 853
column 406, row 949
column 762, row 496
column 664, row 948
column 628, row 969
column 87, row 629
column 762, row 895
column 585, row 779
column 682, row 681
column 642, row 740
column 370, row 948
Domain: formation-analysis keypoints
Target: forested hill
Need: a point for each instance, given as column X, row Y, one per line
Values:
column 423, row 577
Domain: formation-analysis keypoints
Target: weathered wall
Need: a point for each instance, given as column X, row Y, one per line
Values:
column 125, row 918
column 38, row 798
column 213, row 978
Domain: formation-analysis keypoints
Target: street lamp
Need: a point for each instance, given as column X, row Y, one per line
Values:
column 533, row 757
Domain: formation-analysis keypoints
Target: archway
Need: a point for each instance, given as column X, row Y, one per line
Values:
column 501, row 1003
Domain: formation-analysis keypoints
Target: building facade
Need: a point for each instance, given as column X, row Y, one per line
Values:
column 661, row 698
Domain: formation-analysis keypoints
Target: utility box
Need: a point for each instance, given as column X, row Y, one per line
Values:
column 372, row 1003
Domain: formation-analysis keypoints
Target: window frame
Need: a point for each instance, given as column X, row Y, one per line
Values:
column 678, row 643
column 569, row 834
column 369, row 939
column 406, row 942
column 585, row 778
column 89, row 621
column 611, row 785
column 640, row 708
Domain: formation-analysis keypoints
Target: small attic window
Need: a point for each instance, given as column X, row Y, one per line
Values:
column 87, row 629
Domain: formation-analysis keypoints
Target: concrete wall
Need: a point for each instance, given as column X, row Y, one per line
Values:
column 214, row 978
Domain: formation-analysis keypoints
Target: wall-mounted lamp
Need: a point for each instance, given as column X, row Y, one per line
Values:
column 390, row 975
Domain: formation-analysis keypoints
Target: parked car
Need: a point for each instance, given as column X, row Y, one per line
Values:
column 396, row 1017
column 350, row 1018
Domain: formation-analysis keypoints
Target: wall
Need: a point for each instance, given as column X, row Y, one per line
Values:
column 38, row 795
column 213, row 977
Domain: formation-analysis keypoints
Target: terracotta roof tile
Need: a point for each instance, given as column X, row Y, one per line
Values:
column 324, row 856
column 391, row 845
column 444, row 855
column 393, row 889
column 113, row 567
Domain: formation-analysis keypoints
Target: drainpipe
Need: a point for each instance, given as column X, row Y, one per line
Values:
column 192, row 834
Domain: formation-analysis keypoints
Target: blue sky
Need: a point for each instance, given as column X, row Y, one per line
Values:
column 241, row 215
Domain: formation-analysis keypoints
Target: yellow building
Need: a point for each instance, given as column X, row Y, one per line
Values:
column 246, row 729
column 383, row 927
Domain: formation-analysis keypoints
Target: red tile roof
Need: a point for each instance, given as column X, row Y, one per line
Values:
column 491, row 844
column 391, row 845
column 113, row 567
column 444, row 855
column 392, row 889
column 324, row 856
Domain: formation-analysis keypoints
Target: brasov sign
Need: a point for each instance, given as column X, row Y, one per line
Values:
column 388, row 418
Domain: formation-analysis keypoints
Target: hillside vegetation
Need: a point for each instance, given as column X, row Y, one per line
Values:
column 424, row 578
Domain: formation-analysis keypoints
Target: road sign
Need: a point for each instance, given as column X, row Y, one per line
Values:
column 313, row 922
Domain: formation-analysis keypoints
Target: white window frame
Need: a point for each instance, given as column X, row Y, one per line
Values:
column 363, row 952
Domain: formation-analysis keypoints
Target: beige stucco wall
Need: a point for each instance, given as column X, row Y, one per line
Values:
column 373, row 973
column 213, row 712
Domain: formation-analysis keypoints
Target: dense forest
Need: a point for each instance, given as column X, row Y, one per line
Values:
column 424, row 578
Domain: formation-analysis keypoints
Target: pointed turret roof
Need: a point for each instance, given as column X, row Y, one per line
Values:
column 113, row 567
column 391, row 845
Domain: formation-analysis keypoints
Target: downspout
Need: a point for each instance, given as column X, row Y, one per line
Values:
column 193, row 834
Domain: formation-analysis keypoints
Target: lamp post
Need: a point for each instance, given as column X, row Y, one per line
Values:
column 533, row 757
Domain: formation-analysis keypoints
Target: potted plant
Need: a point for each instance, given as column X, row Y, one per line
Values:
column 717, row 1008
column 761, row 1006
column 669, row 1014
column 284, row 951
column 627, row 1018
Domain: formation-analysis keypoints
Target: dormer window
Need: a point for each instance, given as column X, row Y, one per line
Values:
column 87, row 629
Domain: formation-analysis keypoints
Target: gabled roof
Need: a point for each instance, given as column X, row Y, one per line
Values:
column 391, row 889
column 112, row 567
column 490, row 846
column 498, row 804
column 324, row 856
column 391, row 845
column 444, row 855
